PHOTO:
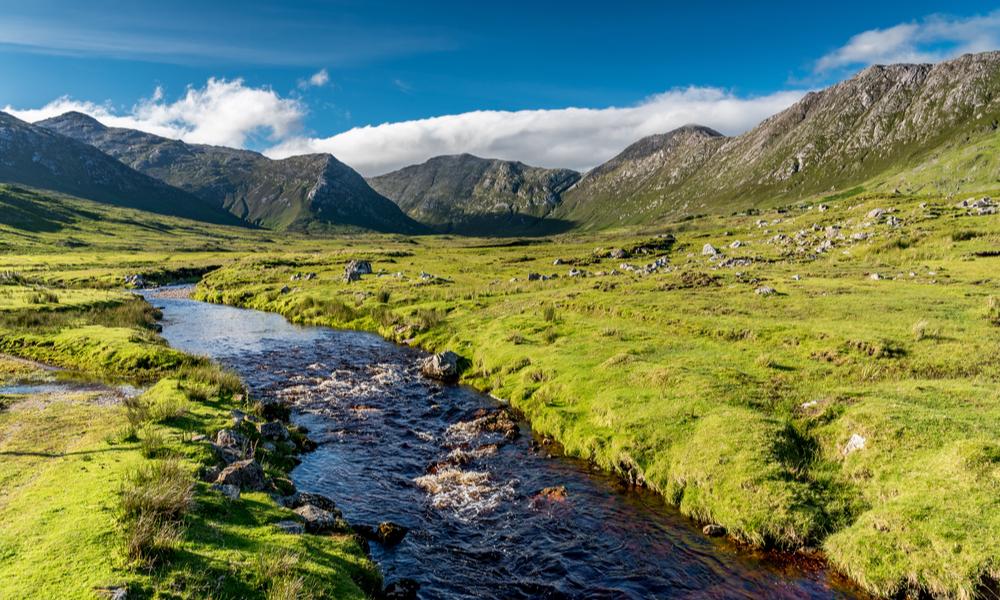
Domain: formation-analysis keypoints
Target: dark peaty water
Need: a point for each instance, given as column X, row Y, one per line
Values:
column 394, row 446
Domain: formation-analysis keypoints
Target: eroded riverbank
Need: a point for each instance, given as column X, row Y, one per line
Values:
column 393, row 446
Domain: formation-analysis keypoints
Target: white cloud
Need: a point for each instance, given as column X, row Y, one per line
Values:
column 933, row 39
column 230, row 113
column 318, row 79
column 578, row 138
column 226, row 113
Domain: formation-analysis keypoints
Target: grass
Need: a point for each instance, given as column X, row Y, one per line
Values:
column 736, row 407
column 97, row 495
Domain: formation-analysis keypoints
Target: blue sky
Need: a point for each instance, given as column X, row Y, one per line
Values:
column 289, row 77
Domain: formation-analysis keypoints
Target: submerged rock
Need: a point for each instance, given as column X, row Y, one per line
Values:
column 402, row 589
column 443, row 366
column 390, row 534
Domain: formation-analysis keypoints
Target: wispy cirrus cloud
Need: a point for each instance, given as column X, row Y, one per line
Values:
column 217, row 38
column 222, row 112
column 932, row 39
column 578, row 138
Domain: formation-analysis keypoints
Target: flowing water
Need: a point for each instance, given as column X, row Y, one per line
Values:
column 443, row 462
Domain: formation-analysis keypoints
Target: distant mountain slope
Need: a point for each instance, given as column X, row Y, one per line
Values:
column 301, row 192
column 886, row 119
column 472, row 195
column 37, row 157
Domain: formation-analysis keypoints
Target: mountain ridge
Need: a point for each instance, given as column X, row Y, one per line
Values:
column 37, row 157
column 463, row 193
column 884, row 120
column 305, row 192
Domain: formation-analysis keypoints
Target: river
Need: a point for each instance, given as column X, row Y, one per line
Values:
column 395, row 446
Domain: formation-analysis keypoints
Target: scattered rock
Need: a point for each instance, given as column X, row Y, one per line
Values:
column 557, row 262
column 618, row 254
column 765, row 290
column 575, row 273
column 311, row 276
column 736, row 244
column 284, row 289
column 273, row 430
column 135, row 281
column 244, row 474
column 857, row 442
column 227, row 438
column 534, row 276
column 555, row 493
column 291, row 527
column 390, row 534
column 229, row 491
column 876, row 213
column 713, row 530
column 442, row 366
column 355, row 269
column 318, row 520
column 709, row 250
column 402, row 589
column 875, row 276
column 117, row 592
column 823, row 208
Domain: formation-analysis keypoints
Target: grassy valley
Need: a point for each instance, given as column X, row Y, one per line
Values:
column 825, row 379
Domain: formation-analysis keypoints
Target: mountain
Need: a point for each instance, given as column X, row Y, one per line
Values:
column 888, row 123
column 471, row 195
column 313, row 191
column 36, row 157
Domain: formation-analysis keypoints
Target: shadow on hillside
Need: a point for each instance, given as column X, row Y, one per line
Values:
column 507, row 225
column 30, row 214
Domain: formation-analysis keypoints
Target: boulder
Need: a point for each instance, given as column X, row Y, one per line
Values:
column 291, row 527
column 855, row 443
column 390, row 534
column 273, row 430
column 709, row 250
column 229, row 491
column 244, row 474
column 227, row 438
column 618, row 253
column 442, row 366
column 355, row 269
column 318, row 520
column 765, row 290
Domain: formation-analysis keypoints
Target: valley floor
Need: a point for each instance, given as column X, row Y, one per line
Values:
column 806, row 377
